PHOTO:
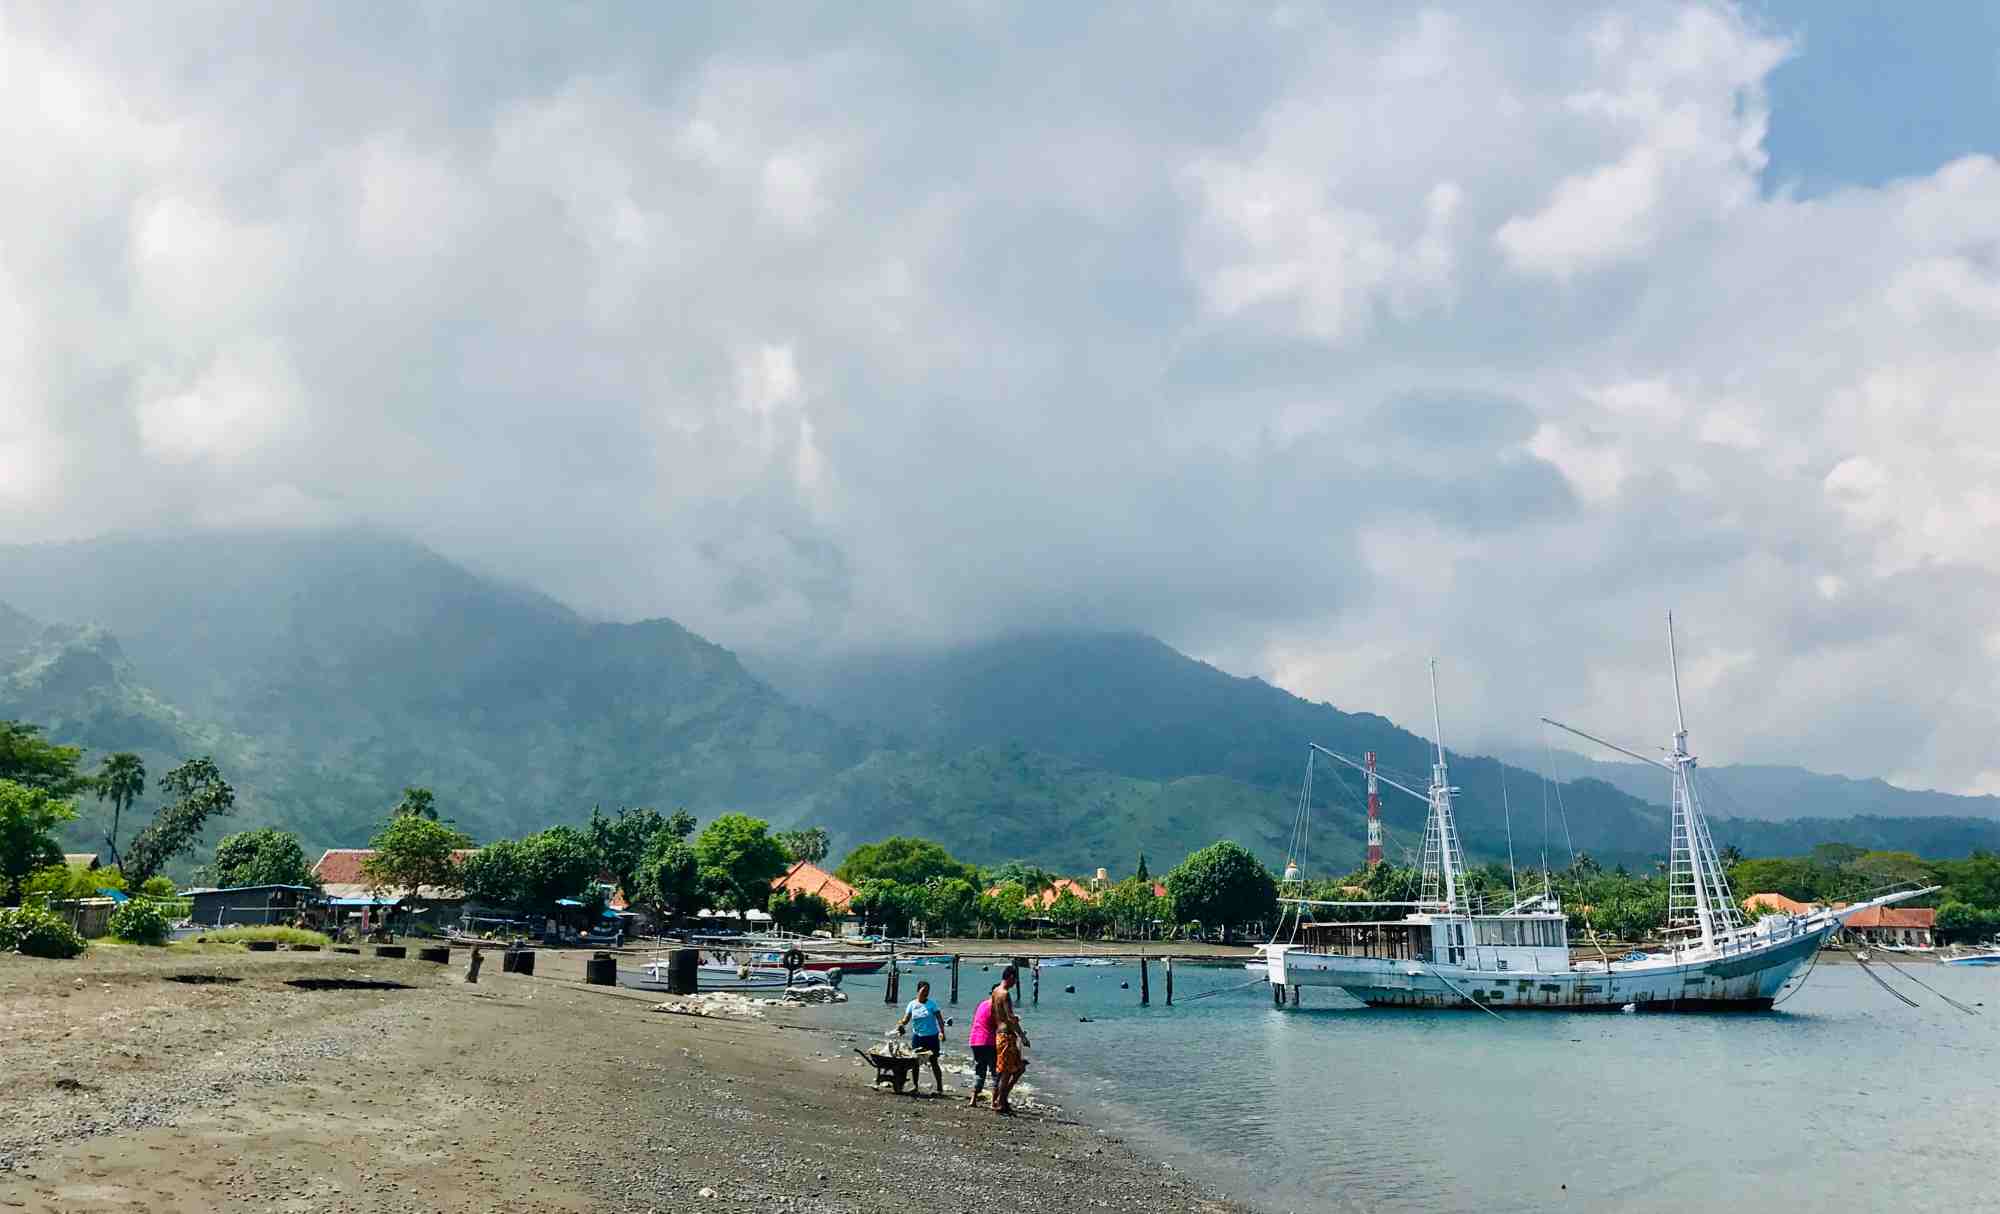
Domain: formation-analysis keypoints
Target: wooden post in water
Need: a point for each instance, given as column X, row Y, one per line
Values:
column 1145, row 987
column 1170, row 982
column 890, row 989
column 1037, row 1000
column 954, row 979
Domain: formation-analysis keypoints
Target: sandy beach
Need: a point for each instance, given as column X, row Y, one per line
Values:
column 186, row 1080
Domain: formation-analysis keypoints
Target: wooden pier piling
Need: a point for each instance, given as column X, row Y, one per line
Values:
column 954, row 979
column 1145, row 986
column 1037, row 999
column 1170, row 982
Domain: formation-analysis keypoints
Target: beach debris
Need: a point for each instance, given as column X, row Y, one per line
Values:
column 706, row 1192
column 746, row 1007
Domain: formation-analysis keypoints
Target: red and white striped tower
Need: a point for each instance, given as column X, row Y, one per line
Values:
column 1374, row 816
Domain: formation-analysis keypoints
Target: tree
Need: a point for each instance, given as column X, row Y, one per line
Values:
column 1068, row 912
column 889, row 905
column 265, row 856
column 1003, row 907
column 29, row 820
column 904, row 860
column 739, row 860
column 622, row 842
column 120, row 781
column 411, row 852
column 416, row 803
column 799, row 913
column 809, row 845
column 670, row 877
column 1130, row 907
column 951, row 905
column 530, row 874
column 60, row 881
column 1222, row 884
column 199, row 793
column 1142, row 874
column 26, row 759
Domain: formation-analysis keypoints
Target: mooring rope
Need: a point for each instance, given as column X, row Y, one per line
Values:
column 1883, row 983
column 1802, row 977
column 1461, row 994
column 1223, row 990
column 1927, row 986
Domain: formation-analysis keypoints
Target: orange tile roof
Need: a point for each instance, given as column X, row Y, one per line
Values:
column 806, row 877
column 1776, row 902
column 1919, row 917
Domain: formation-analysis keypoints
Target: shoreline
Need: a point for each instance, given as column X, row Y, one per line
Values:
column 135, row 1088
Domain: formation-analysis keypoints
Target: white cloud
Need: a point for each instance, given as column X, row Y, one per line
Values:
column 1321, row 344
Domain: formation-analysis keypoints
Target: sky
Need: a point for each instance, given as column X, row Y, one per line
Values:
column 1318, row 340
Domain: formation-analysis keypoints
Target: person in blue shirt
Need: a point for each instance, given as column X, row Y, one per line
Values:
column 926, row 1027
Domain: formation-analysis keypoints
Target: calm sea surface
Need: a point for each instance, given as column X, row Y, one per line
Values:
column 1842, row 1095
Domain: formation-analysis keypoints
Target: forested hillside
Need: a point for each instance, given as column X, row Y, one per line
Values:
column 325, row 671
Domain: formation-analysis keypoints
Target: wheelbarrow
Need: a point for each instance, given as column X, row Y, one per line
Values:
column 893, row 1069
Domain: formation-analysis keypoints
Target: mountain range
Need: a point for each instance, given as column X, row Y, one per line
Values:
column 326, row 670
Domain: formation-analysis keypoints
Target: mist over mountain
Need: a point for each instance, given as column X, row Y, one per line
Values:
column 325, row 670
column 1771, row 792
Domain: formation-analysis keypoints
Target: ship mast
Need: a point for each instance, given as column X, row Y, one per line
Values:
column 1698, row 894
column 1444, row 862
column 1698, row 897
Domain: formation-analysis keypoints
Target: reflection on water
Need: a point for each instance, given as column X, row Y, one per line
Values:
column 1840, row 1095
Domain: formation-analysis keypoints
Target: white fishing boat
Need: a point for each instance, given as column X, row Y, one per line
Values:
column 1445, row 954
column 1984, row 955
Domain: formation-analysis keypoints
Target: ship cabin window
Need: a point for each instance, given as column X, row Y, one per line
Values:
column 1519, row 933
column 1388, row 941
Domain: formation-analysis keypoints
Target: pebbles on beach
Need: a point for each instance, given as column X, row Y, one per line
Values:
column 522, row 1094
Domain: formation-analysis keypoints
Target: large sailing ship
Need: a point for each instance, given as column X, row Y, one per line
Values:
column 1446, row 953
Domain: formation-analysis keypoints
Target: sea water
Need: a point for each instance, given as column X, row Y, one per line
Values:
column 1842, row 1095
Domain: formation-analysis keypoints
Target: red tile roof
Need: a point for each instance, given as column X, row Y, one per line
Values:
column 806, row 877
column 339, row 870
column 1914, row 917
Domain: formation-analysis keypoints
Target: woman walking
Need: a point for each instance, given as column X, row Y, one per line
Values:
column 980, row 1038
column 1008, row 1040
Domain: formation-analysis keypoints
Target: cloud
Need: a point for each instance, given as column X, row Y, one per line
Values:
column 1315, row 340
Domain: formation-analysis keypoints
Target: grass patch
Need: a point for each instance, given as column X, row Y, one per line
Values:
column 244, row 935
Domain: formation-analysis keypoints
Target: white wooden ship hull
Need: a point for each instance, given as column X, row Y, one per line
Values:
column 1746, row 980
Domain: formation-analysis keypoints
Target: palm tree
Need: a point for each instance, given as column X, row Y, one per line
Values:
column 120, row 781
column 416, row 803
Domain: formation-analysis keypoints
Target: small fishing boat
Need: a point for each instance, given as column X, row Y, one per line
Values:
column 1988, row 955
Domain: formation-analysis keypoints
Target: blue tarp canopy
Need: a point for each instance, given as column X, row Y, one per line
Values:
column 568, row 902
column 364, row 901
column 116, row 895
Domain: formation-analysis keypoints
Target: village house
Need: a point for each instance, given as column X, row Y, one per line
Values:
column 254, row 905
column 1778, row 903
column 1901, row 926
column 805, row 877
column 349, row 894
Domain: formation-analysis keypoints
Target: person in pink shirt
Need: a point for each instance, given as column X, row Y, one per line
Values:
column 981, row 1041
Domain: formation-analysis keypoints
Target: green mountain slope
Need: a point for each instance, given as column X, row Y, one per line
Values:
column 354, row 664
column 326, row 670
column 1132, row 706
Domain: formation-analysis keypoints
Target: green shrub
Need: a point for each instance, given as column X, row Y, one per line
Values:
column 243, row 935
column 140, row 923
column 37, row 933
